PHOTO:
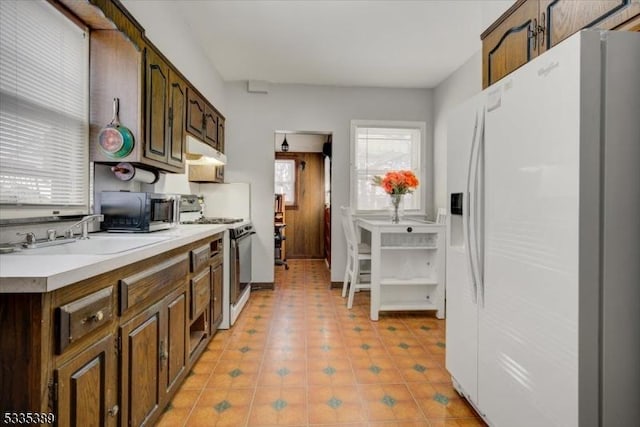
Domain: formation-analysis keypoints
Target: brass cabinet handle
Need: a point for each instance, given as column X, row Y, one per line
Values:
column 164, row 354
column 94, row 318
column 114, row 410
column 542, row 28
column 532, row 33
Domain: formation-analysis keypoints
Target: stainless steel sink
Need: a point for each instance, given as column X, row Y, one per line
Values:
column 98, row 245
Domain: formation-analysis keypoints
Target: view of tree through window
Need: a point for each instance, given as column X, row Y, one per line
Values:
column 285, row 180
column 378, row 150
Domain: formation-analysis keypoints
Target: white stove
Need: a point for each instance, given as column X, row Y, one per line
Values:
column 237, row 256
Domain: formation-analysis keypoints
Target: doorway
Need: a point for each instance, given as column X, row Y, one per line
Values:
column 302, row 178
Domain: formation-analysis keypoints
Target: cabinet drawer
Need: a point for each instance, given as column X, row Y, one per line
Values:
column 200, row 292
column 156, row 281
column 78, row 318
column 200, row 258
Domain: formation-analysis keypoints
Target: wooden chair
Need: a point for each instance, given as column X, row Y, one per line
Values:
column 356, row 253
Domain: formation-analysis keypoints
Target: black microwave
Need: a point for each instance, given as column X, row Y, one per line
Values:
column 138, row 212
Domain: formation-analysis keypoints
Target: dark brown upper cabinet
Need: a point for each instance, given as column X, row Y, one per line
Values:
column 203, row 121
column 157, row 103
column 530, row 27
column 177, row 110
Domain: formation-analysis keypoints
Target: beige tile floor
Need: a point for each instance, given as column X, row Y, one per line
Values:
column 298, row 357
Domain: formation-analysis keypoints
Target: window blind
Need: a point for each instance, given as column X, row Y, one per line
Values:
column 44, row 106
column 378, row 149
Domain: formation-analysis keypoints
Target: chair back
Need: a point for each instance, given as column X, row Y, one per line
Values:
column 349, row 228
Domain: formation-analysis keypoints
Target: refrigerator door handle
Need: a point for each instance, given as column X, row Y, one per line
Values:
column 466, row 222
column 477, row 228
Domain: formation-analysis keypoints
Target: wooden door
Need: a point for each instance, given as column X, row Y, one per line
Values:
column 510, row 43
column 176, row 122
column 210, row 127
column 156, row 104
column 305, row 221
column 216, row 296
column 195, row 114
column 86, row 387
column 140, row 367
column 562, row 18
column 173, row 353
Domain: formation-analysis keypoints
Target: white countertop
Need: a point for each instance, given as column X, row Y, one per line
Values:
column 24, row 272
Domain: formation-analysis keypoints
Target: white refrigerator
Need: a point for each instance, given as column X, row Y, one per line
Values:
column 543, row 239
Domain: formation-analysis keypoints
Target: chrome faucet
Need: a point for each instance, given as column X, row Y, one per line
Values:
column 84, row 222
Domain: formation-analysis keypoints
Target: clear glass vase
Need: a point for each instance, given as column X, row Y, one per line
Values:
column 396, row 207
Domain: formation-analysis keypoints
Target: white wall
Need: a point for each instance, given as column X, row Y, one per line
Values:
column 254, row 118
column 465, row 82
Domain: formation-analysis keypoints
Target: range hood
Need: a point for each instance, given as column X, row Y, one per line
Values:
column 200, row 153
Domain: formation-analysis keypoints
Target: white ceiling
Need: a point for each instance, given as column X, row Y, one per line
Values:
column 410, row 44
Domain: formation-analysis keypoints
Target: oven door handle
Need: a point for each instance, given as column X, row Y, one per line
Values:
column 244, row 236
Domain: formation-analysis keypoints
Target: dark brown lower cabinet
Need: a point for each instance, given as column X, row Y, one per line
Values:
column 152, row 358
column 216, row 296
column 87, row 387
column 126, row 336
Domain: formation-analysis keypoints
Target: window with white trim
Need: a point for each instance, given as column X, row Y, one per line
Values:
column 378, row 147
column 44, row 111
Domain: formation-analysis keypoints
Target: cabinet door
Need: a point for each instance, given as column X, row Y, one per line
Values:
column 561, row 18
column 173, row 346
column 140, row 394
column 221, row 134
column 216, row 296
column 177, row 115
column 86, row 387
column 211, row 127
column 195, row 114
column 156, row 104
column 510, row 44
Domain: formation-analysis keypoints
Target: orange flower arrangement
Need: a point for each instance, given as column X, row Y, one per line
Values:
column 397, row 182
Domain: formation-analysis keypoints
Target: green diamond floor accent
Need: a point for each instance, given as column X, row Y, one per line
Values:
column 391, row 328
column 389, row 401
column 441, row 399
column 235, row 373
column 283, row 372
column 418, row 367
column 323, row 330
column 375, row 369
column 357, row 329
column 329, row 370
column 403, row 345
column 168, row 408
column 279, row 405
column 441, row 344
column 245, row 349
column 258, row 317
column 251, row 331
column 191, row 373
column 425, row 328
column 222, row 406
column 325, row 347
column 318, row 305
column 262, row 305
column 352, row 316
column 365, row 346
column 334, row 402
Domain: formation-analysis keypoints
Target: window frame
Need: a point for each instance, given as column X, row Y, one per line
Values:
column 421, row 126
